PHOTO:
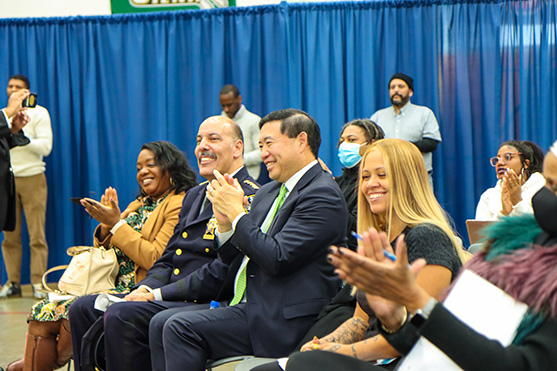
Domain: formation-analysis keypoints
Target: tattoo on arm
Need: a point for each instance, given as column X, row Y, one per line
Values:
column 334, row 348
column 350, row 332
column 354, row 352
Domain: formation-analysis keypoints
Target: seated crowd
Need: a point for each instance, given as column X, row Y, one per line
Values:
column 280, row 260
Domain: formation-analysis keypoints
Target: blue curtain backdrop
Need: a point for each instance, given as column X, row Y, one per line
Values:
column 486, row 68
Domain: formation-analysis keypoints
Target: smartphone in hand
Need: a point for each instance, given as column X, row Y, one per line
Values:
column 30, row 101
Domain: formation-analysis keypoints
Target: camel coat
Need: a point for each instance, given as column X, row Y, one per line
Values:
column 146, row 247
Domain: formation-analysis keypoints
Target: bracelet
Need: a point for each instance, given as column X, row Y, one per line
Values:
column 388, row 331
column 115, row 227
column 422, row 314
column 427, row 309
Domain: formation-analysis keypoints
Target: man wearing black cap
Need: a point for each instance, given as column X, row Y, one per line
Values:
column 404, row 120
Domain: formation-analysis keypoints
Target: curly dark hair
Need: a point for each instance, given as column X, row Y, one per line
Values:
column 536, row 163
column 530, row 152
column 170, row 159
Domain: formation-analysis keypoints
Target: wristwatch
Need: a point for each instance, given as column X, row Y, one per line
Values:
column 421, row 315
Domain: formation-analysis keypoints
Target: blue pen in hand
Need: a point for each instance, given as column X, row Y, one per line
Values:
column 387, row 254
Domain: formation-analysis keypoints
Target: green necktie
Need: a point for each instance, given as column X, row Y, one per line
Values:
column 240, row 288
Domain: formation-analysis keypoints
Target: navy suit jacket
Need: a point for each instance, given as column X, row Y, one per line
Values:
column 7, row 183
column 188, row 268
column 288, row 277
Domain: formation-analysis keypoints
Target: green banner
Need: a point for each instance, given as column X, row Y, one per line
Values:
column 138, row 6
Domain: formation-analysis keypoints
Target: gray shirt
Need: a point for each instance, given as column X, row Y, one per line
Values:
column 412, row 123
column 249, row 123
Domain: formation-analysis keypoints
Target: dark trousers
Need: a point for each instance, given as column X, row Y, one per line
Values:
column 126, row 328
column 327, row 361
column 81, row 315
column 191, row 338
column 156, row 326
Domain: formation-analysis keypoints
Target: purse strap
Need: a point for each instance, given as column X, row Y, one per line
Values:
column 76, row 250
column 53, row 269
column 71, row 251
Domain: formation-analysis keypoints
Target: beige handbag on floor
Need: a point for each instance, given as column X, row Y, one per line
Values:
column 92, row 269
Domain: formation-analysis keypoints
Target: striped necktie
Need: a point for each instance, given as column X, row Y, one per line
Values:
column 240, row 288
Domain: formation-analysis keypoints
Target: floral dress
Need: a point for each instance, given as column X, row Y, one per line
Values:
column 47, row 311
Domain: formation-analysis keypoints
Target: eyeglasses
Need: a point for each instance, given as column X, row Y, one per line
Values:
column 505, row 158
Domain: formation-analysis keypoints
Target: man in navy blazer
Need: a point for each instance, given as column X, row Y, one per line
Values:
column 288, row 277
column 186, row 275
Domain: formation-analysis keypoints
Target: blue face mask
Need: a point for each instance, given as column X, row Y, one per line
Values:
column 349, row 154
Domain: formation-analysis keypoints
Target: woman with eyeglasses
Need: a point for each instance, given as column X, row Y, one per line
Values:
column 520, row 258
column 518, row 166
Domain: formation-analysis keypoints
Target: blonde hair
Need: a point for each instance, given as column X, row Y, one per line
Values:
column 553, row 148
column 411, row 198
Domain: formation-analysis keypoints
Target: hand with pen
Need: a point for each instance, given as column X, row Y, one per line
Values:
column 390, row 285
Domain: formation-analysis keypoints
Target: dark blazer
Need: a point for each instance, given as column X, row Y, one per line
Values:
column 473, row 351
column 288, row 278
column 191, row 248
column 348, row 183
column 7, row 182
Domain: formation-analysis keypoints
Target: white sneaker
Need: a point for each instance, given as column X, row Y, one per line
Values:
column 39, row 291
column 10, row 289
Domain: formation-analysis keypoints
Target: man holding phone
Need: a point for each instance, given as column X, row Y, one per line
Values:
column 12, row 120
column 30, row 194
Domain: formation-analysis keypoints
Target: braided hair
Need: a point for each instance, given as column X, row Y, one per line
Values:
column 371, row 129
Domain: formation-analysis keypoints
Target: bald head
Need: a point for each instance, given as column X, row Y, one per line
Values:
column 220, row 146
column 550, row 170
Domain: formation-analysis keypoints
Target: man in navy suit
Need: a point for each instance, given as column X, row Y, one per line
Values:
column 287, row 278
column 186, row 275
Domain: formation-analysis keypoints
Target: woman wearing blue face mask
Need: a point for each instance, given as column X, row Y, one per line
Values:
column 355, row 137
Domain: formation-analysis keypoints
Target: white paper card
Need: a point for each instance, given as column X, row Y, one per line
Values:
column 54, row 297
column 103, row 301
column 483, row 307
column 282, row 362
